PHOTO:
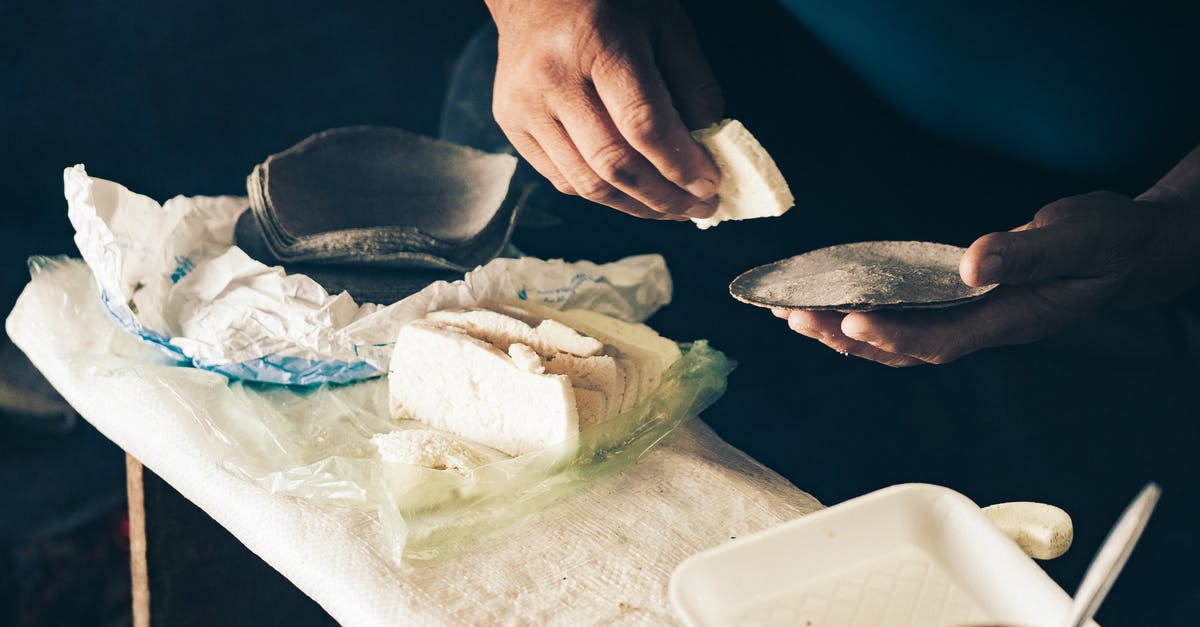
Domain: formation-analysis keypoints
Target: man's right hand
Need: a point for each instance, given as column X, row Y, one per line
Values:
column 598, row 95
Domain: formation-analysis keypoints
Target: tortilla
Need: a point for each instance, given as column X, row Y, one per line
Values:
column 864, row 276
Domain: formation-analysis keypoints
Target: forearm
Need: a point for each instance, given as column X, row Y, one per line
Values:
column 1179, row 244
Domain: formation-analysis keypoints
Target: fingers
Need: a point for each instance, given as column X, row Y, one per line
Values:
column 617, row 165
column 908, row 338
column 694, row 89
column 919, row 335
column 579, row 92
column 1007, row 316
column 825, row 327
column 1068, row 238
column 1036, row 254
column 637, row 98
column 536, row 156
column 578, row 174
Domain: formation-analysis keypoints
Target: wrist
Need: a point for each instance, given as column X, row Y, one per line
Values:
column 1178, row 243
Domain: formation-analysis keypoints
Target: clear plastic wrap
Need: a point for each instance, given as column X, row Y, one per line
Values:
column 314, row 443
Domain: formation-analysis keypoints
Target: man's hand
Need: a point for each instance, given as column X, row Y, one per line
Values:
column 1078, row 256
column 598, row 95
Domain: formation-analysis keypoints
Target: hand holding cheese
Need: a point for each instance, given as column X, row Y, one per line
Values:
column 521, row 380
column 598, row 96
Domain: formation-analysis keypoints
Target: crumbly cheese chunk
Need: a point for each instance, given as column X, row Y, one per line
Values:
column 751, row 184
column 431, row 448
column 444, row 377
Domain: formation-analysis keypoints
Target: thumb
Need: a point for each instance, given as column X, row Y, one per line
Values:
column 1027, row 255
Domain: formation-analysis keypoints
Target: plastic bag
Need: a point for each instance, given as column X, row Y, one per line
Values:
column 314, row 443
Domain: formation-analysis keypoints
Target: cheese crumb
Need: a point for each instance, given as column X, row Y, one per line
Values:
column 526, row 358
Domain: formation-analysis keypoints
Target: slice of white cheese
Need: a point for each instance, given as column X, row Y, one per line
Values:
column 592, row 407
column 642, row 353
column 431, row 448
column 600, row 374
column 444, row 377
column 751, row 184
column 645, row 353
column 547, row 338
column 632, row 338
column 632, row 374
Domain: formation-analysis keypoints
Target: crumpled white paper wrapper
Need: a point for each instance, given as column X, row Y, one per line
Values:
column 170, row 274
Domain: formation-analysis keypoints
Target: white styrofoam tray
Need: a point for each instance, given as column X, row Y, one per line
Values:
column 911, row 554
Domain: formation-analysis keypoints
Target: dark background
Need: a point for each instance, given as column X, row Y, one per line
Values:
column 183, row 98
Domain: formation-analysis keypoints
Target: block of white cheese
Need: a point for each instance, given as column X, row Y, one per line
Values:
column 431, row 448
column 521, row 380
column 446, row 378
column 751, row 184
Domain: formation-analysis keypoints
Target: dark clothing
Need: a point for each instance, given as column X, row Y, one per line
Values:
column 1081, row 86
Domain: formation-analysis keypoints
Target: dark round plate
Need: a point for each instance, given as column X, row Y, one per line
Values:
column 864, row 276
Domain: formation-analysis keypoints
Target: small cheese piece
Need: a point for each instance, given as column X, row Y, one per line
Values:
column 1042, row 531
column 434, row 449
column 751, row 184
column 444, row 377
column 500, row 329
column 526, row 359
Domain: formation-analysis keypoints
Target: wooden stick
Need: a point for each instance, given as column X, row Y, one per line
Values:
column 137, row 542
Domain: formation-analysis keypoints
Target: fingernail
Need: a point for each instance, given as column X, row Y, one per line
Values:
column 701, row 210
column 989, row 269
column 779, row 312
column 702, row 188
column 855, row 329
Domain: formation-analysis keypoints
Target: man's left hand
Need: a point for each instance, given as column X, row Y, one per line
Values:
column 1077, row 257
